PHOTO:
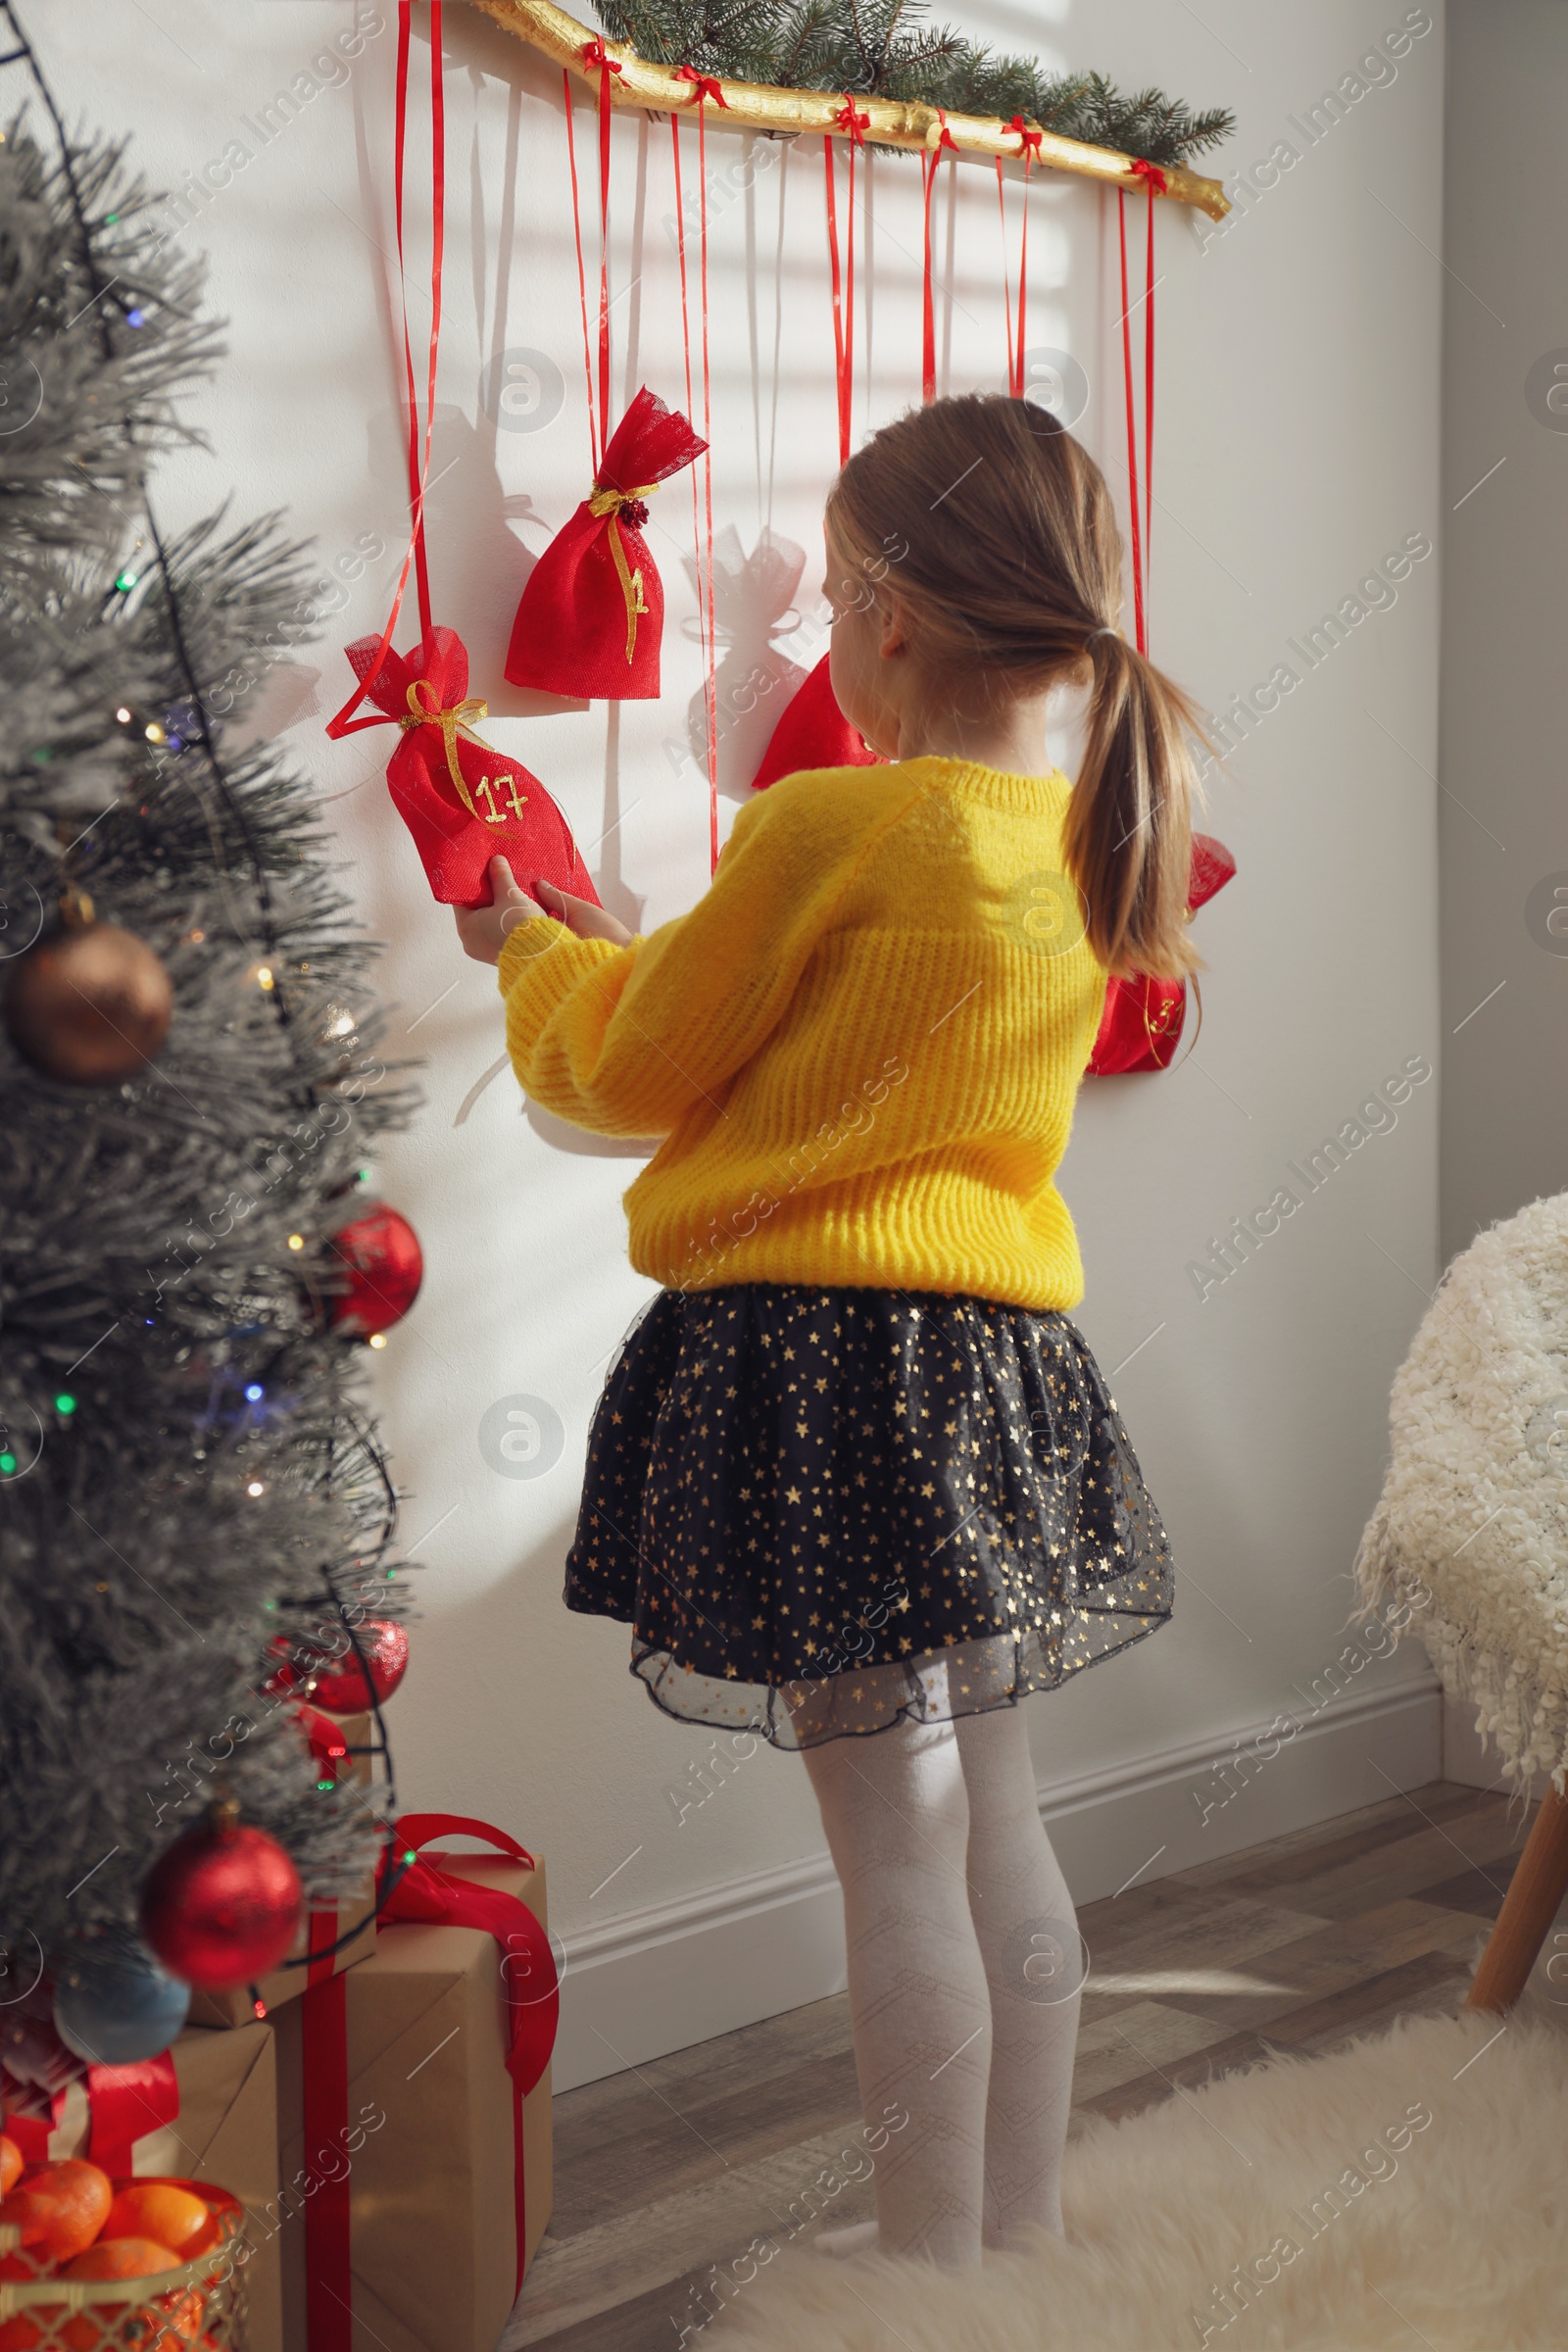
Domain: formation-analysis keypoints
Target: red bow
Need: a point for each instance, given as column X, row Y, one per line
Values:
column 847, row 119
column 427, row 1893
column 947, row 139
column 703, row 88
column 594, row 53
column 1028, row 141
column 1152, row 173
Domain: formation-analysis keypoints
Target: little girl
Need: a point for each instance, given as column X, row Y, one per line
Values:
column 856, row 1480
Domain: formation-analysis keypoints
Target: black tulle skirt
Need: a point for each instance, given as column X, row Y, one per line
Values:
column 822, row 1510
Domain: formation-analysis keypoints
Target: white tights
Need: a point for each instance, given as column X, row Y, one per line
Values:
column 964, row 1976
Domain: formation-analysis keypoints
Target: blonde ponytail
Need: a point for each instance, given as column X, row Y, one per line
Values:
column 1128, row 838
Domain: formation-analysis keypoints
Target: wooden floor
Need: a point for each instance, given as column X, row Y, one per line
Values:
column 1300, row 1943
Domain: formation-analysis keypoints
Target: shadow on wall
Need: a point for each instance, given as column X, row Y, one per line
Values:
column 753, row 681
column 467, row 507
column 562, row 1136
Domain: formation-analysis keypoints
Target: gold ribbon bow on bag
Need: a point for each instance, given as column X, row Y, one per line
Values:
column 609, row 504
column 459, row 720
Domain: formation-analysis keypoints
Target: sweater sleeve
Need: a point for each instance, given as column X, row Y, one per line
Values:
column 626, row 1040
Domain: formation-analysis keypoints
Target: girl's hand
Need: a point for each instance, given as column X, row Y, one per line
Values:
column 582, row 918
column 483, row 930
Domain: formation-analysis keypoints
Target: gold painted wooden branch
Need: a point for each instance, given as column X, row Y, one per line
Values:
column 889, row 121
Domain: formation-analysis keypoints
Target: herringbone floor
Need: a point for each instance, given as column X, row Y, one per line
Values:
column 1300, row 1943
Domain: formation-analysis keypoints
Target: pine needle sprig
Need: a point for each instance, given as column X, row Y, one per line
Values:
column 889, row 49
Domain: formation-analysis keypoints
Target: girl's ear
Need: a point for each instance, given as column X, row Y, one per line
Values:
column 895, row 630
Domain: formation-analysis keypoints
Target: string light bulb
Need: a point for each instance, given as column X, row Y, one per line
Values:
column 264, row 975
column 153, row 731
column 126, row 581
column 378, row 1339
column 296, row 1241
column 124, row 715
column 254, row 1392
column 256, row 1486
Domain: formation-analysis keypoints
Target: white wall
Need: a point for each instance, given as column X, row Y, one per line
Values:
column 1505, row 483
column 1298, row 446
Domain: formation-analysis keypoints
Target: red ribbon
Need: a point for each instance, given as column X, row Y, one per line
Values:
column 582, row 281
column 343, row 722
column 704, row 557
column 842, row 283
column 329, row 1747
column 703, row 88
column 122, row 2103
column 1029, row 148
column 427, row 1893
column 1152, row 177
column 930, row 157
column 928, row 320
column 1141, row 524
column 324, row 2036
column 594, row 53
column 855, row 124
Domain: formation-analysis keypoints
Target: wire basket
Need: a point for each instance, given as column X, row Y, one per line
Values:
column 197, row 2307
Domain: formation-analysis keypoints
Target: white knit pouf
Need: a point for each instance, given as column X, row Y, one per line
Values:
column 1468, row 1545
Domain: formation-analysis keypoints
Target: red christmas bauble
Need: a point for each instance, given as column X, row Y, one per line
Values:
column 340, row 1684
column 380, row 1251
column 222, row 1905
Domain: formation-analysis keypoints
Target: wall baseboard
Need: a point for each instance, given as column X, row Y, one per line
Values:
column 659, row 1978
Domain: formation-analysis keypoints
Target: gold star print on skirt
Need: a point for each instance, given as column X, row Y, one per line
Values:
column 820, row 1510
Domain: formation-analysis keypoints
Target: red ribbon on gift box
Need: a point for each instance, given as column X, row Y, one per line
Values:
column 424, row 1895
column 427, row 1893
column 122, row 2103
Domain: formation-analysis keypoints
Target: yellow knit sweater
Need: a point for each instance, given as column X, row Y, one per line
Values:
column 861, row 1048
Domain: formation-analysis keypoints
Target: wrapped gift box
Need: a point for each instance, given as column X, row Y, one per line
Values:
column 430, row 2192
column 226, row 2131
column 353, row 1918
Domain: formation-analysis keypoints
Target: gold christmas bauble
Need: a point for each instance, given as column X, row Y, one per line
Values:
column 89, row 1005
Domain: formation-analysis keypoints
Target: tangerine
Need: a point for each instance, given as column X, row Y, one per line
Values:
column 12, row 2161
column 165, row 2211
column 61, row 2208
column 123, row 2258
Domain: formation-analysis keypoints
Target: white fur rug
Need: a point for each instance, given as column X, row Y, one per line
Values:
column 1361, row 2225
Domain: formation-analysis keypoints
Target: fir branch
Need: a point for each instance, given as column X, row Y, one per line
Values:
column 886, row 49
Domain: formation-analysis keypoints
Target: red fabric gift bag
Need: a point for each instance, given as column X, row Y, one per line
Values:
column 462, row 801
column 1142, row 1023
column 813, row 732
column 591, row 617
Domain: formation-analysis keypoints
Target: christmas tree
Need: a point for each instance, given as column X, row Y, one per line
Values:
column 191, row 1493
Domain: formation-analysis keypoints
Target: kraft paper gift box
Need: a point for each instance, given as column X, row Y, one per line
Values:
column 225, row 2130
column 353, row 1917
column 432, row 2192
